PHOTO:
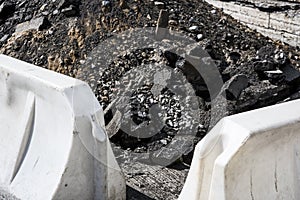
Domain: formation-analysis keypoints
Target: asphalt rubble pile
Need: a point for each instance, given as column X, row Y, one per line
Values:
column 60, row 35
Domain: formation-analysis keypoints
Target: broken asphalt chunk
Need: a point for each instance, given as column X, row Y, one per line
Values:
column 292, row 75
column 6, row 9
column 235, row 86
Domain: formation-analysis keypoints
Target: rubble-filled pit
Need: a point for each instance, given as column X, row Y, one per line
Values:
column 61, row 34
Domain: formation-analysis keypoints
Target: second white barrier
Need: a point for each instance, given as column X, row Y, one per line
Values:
column 252, row 155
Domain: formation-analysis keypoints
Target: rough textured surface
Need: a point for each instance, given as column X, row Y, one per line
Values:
column 77, row 27
column 6, row 196
column 279, row 20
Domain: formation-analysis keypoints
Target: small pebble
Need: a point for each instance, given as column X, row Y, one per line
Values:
column 4, row 38
column 199, row 36
column 164, row 142
column 43, row 7
column 55, row 12
column 159, row 4
column 105, row 3
column 193, row 28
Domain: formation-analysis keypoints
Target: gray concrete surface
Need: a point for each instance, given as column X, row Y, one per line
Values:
column 276, row 19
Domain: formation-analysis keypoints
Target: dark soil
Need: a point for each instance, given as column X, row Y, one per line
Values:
column 256, row 70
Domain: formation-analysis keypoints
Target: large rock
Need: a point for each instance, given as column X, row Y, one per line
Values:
column 34, row 24
column 66, row 3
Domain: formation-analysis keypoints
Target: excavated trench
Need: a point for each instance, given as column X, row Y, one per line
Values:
column 63, row 35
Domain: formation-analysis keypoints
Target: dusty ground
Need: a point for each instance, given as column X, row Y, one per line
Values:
column 68, row 30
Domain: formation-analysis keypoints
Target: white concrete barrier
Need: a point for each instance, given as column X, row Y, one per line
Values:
column 51, row 130
column 252, row 155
